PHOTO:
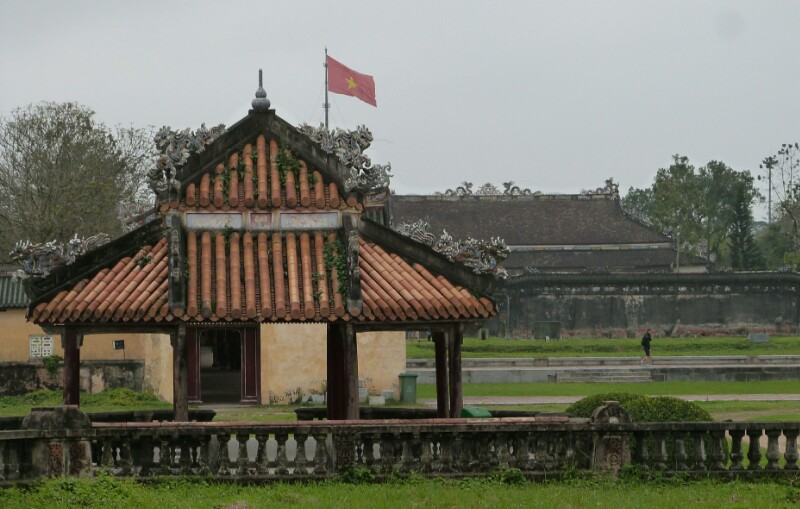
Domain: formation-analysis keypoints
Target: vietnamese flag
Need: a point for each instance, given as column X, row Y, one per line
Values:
column 343, row 80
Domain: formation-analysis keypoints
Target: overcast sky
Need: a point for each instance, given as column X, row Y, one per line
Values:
column 556, row 96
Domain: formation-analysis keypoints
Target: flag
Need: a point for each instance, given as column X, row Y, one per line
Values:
column 343, row 80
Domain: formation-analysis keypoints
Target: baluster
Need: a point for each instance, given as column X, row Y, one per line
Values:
column 699, row 452
column 261, row 454
column 109, row 454
column 4, row 460
column 679, row 452
column 773, row 453
column 791, row 455
column 204, row 459
column 144, row 456
column 641, row 455
column 718, row 449
column 521, row 450
column 426, row 456
column 388, row 452
column 457, row 453
column 406, row 457
column 415, row 448
column 510, row 447
column 12, row 461
column 184, row 456
column 280, row 456
column 321, row 453
column 754, row 451
column 445, row 452
column 736, row 449
column 241, row 457
column 659, row 451
column 164, row 456
column 300, row 459
column 367, row 453
column 491, row 449
column 469, row 456
column 224, row 454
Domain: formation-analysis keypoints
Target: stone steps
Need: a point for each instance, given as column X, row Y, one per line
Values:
column 636, row 376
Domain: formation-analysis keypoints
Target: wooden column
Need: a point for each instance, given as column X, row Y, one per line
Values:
column 334, row 344
column 71, row 342
column 180, row 376
column 442, row 402
column 455, row 339
column 350, row 373
column 342, row 372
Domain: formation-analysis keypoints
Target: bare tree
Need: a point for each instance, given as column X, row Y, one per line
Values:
column 62, row 173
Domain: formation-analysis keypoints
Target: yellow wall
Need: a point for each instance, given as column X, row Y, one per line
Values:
column 15, row 330
column 294, row 360
column 293, row 357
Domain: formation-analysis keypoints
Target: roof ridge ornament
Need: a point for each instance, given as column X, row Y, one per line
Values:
column 260, row 103
column 479, row 255
column 349, row 147
column 488, row 189
column 611, row 189
column 175, row 148
column 39, row 258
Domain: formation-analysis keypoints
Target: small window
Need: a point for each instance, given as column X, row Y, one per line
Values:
column 41, row 346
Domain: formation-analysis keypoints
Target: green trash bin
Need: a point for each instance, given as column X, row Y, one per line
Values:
column 474, row 412
column 408, row 388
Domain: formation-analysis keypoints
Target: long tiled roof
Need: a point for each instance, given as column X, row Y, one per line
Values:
column 263, row 278
column 526, row 220
column 12, row 293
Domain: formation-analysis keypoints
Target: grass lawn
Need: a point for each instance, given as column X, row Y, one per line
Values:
column 621, row 347
column 649, row 389
column 115, row 399
column 106, row 492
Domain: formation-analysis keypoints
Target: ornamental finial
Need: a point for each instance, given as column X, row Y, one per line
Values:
column 260, row 103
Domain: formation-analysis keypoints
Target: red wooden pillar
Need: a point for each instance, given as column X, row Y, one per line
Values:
column 342, row 372
column 71, row 342
column 350, row 373
column 456, row 338
column 251, row 365
column 334, row 356
column 180, row 377
column 442, row 403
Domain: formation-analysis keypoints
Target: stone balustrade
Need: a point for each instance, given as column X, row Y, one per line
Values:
column 539, row 447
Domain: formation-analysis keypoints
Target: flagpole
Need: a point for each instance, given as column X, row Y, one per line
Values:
column 327, row 105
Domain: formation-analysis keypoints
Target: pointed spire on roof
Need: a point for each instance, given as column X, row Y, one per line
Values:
column 260, row 103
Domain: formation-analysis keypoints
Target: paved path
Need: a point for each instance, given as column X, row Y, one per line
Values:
column 539, row 400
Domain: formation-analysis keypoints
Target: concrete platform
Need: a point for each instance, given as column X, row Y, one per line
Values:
column 733, row 368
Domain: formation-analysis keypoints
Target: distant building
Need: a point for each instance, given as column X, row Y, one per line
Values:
column 584, row 233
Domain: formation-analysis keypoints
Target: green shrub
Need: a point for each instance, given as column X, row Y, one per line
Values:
column 666, row 409
column 586, row 406
column 644, row 408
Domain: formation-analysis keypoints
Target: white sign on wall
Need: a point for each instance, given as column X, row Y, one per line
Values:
column 41, row 346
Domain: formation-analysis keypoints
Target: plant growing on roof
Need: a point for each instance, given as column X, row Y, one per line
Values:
column 286, row 163
column 333, row 256
column 143, row 260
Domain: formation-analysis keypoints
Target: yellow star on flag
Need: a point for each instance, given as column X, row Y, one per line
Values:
column 351, row 83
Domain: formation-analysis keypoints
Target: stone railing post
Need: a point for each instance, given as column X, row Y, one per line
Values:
column 611, row 449
column 59, row 453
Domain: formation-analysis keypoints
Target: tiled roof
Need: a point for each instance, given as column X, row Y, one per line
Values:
column 12, row 293
column 253, row 180
column 277, row 277
column 575, row 260
column 526, row 220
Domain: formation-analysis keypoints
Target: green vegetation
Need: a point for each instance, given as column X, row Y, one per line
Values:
column 644, row 408
column 649, row 389
column 501, row 490
column 114, row 399
column 620, row 347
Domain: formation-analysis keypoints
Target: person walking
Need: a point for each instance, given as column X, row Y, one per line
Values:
column 646, row 339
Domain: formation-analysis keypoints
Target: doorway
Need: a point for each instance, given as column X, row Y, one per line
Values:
column 224, row 364
column 220, row 365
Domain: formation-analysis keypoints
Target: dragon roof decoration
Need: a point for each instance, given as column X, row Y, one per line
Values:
column 479, row 255
column 349, row 147
column 38, row 259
